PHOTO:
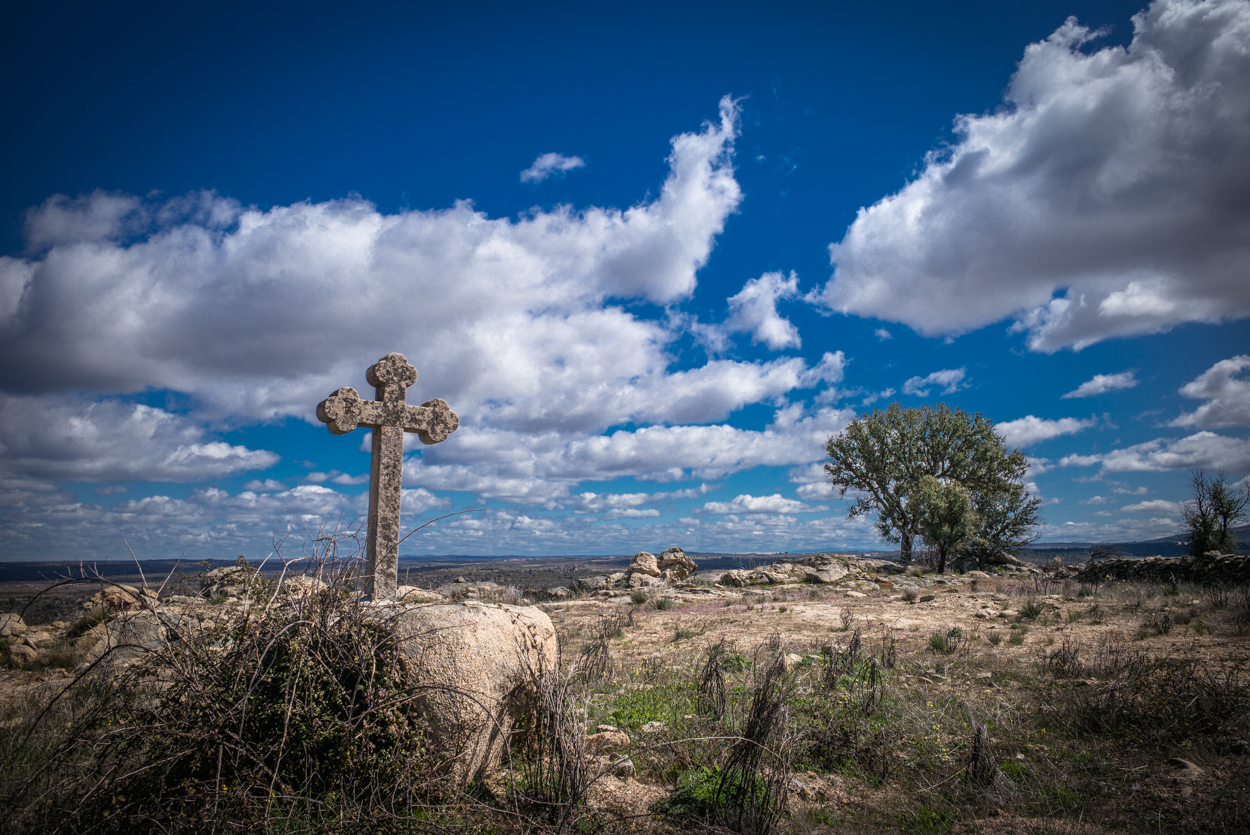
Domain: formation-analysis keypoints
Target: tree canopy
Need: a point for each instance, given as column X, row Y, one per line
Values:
column 1212, row 511
column 938, row 473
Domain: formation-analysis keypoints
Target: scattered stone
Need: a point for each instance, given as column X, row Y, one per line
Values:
column 977, row 575
column 736, row 578
column 606, row 742
column 792, row 660
column 1209, row 569
column 1009, row 614
column 22, row 653
column 624, row 767
column 300, row 586
column 925, row 598
column 1186, row 769
column 652, row 727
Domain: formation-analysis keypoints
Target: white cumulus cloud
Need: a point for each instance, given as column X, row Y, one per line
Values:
column 1226, row 388
column 1202, row 449
column 754, row 310
column 258, row 313
column 1105, row 197
column 1030, row 430
column 746, row 503
column 1156, row 506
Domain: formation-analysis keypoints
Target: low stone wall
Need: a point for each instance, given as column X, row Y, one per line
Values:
column 1209, row 569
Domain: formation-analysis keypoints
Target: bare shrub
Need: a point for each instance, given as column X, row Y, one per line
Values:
column 980, row 770
column 553, row 777
column 256, row 717
column 1217, row 595
column 1158, row 623
column 841, row 659
column 713, row 696
column 595, row 662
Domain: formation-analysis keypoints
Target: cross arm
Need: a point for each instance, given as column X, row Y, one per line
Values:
column 433, row 420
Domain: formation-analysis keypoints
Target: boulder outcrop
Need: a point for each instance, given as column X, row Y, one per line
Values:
column 644, row 563
column 674, row 565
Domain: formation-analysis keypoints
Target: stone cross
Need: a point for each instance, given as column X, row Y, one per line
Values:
column 389, row 418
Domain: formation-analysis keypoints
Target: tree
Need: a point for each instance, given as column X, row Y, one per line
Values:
column 945, row 515
column 1214, row 508
column 884, row 455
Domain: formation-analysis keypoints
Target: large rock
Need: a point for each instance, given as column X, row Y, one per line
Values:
column 644, row 563
column 413, row 594
column 472, row 667
column 229, row 581
column 119, row 598
column 127, row 639
column 674, row 565
column 830, row 573
column 11, row 624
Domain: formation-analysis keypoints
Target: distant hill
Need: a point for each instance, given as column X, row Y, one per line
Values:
column 1172, row 545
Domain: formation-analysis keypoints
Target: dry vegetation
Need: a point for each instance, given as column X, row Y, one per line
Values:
column 1009, row 704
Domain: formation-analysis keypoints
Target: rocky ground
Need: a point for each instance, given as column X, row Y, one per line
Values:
column 1033, row 656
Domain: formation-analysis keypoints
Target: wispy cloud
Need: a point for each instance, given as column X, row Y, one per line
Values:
column 550, row 164
column 950, row 379
column 1202, row 449
column 1103, row 383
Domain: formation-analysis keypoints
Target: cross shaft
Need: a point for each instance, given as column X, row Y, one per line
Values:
column 389, row 417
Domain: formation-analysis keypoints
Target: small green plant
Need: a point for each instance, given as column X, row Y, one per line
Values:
column 1084, row 592
column 682, row 633
column 638, row 597
column 911, row 595
column 947, row 643
column 1031, row 610
column 1158, row 623
column 995, row 638
column 663, row 604
column 1017, row 637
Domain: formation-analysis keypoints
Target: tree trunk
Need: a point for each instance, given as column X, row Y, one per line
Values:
column 941, row 559
column 904, row 548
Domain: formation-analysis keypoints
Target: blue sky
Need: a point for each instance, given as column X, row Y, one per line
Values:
column 654, row 256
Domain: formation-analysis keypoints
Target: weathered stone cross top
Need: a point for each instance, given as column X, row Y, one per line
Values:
column 389, row 418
